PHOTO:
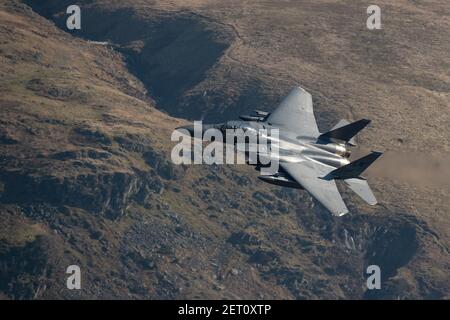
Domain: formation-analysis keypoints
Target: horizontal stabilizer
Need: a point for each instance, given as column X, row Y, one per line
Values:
column 362, row 189
column 346, row 132
column 355, row 168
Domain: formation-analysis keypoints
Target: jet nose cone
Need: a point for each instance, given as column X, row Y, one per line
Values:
column 189, row 129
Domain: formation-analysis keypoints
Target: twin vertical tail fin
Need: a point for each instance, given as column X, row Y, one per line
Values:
column 355, row 168
column 345, row 131
column 351, row 174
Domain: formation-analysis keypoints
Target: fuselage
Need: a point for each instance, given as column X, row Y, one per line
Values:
column 284, row 146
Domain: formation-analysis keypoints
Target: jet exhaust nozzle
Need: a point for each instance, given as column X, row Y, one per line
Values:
column 335, row 148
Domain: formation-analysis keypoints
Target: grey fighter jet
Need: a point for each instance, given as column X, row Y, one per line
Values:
column 309, row 159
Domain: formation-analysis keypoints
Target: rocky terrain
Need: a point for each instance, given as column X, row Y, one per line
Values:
column 85, row 170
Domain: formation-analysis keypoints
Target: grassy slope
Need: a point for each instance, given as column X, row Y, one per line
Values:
column 42, row 124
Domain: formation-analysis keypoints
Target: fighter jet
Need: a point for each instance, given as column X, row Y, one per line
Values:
column 309, row 159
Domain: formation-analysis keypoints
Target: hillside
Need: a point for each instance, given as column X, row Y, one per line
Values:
column 86, row 176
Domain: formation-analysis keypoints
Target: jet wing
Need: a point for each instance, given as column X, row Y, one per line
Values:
column 295, row 113
column 308, row 174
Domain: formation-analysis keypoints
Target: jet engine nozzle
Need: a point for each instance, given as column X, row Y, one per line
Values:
column 335, row 148
column 347, row 154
